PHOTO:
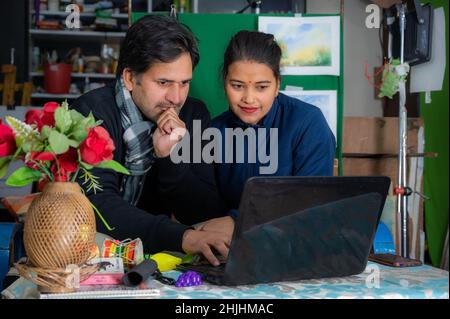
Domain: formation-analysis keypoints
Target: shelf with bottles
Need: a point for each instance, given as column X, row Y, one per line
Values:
column 76, row 89
column 81, row 75
column 57, row 17
column 82, row 14
column 46, row 96
column 76, row 33
column 98, row 61
column 72, row 71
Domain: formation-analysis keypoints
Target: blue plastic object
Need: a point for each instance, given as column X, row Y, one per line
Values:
column 10, row 239
column 188, row 279
column 383, row 242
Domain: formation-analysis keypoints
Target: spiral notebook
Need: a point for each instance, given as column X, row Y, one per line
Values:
column 23, row 288
column 105, row 292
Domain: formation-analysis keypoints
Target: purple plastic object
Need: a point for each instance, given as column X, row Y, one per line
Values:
column 188, row 279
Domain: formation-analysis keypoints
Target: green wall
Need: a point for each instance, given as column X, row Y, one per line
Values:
column 436, row 175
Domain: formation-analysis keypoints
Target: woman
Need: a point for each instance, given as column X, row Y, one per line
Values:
column 306, row 145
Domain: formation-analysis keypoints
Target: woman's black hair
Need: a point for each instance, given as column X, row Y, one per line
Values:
column 253, row 46
column 153, row 39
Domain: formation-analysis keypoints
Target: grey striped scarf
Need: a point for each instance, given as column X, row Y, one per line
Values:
column 137, row 137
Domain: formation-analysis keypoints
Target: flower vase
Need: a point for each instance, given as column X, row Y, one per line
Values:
column 59, row 231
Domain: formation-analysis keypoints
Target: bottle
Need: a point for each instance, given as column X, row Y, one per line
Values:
column 86, row 85
column 36, row 60
column 80, row 65
column 54, row 57
column 53, row 5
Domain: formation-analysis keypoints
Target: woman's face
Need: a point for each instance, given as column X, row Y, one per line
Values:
column 251, row 88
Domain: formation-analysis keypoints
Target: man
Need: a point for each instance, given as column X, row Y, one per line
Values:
column 146, row 113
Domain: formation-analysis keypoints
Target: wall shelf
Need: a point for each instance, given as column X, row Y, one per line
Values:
column 54, row 96
column 77, row 33
column 81, row 75
column 82, row 14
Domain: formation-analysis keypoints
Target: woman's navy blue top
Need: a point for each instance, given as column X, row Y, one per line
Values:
column 306, row 146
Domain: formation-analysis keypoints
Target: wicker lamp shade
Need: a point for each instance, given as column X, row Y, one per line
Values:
column 59, row 227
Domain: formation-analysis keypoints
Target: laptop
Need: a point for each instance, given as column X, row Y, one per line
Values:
column 296, row 228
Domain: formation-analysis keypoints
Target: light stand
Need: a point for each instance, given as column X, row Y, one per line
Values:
column 402, row 190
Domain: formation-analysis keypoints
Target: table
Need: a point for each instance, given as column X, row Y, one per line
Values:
column 377, row 281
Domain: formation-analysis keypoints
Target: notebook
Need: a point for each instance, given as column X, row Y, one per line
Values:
column 105, row 292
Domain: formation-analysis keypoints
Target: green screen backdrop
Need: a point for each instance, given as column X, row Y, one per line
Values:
column 436, row 175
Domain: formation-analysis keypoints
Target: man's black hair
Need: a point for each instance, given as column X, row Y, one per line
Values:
column 153, row 39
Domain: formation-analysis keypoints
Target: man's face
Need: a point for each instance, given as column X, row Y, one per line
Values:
column 162, row 86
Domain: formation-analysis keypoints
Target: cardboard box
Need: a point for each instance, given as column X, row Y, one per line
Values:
column 377, row 135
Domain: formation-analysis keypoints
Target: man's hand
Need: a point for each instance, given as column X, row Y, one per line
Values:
column 195, row 241
column 170, row 131
column 221, row 224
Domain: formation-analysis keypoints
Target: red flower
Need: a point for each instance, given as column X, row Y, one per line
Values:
column 59, row 174
column 97, row 147
column 50, row 107
column 7, row 141
column 46, row 116
column 69, row 160
column 34, row 117
column 68, row 163
column 38, row 157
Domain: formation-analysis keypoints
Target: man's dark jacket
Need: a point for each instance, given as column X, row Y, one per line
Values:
column 186, row 191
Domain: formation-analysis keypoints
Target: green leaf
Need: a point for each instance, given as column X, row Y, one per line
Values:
column 32, row 146
column 74, row 143
column 59, row 143
column 45, row 132
column 86, row 165
column 25, row 134
column 116, row 166
column 4, row 164
column 23, row 176
column 76, row 117
column 79, row 134
column 65, row 105
column 19, row 141
column 89, row 121
column 90, row 181
column 63, row 119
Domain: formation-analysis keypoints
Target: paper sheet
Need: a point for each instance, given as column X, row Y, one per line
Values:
column 326, row 101
column 310, row 45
